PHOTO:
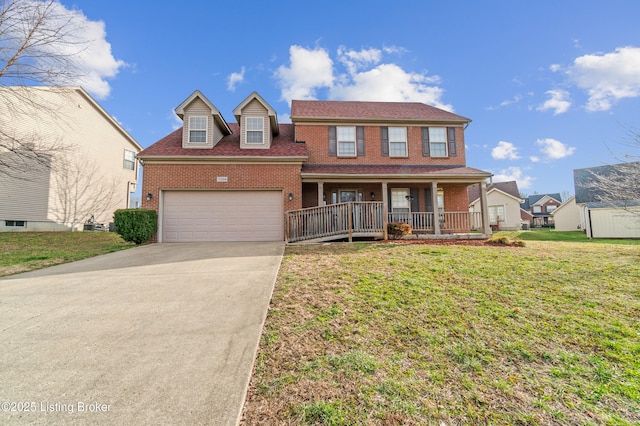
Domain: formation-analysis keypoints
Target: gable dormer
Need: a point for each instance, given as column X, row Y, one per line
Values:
column 258, row 122
column 203, row 125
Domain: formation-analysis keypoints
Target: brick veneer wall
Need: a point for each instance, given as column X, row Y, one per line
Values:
column 158, row 176
column 317, row 141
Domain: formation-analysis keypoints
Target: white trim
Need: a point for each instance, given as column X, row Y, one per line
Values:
column 247, row 130
column 191, row 129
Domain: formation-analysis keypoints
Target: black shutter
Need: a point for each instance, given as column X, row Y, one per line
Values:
column 451, row 138
column 384, row 137
column 428, row 200
column 360, row 140
column 333, row 144
column 425, row 142
column 415, row 202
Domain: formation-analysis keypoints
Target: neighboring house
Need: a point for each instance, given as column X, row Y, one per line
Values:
column 503, row 199
column 87, row 167
column 608, row 200
column 341, row 169
column 540, row 206
column 567, row 216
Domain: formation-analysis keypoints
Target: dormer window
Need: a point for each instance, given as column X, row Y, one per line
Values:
column 255, row 130
column 198, row 129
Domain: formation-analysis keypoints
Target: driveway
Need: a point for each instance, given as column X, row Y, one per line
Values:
column 159, row 334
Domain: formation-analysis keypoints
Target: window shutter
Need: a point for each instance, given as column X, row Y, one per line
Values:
column 384, row 137
column 333, row 144
column 425, row 142
column 428, row 200
column 360, row 140
column 415, row 203
column 451, row 137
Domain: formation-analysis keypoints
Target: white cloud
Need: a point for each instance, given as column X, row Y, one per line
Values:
column 365, row 77
column 235, row 78
column 309, row 70
column 557, row 102
column 534, row 159
column 554, row 149
column 505, row 151
column 90, row 61
column 608, row 77
column 555, row 67
column 514, row 173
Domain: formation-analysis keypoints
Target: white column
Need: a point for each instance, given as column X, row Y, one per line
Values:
column 436, row 210
column 486, row 226
column 320, row 193
column 385, row 212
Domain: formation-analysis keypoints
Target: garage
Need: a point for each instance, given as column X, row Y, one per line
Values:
column 189, row 216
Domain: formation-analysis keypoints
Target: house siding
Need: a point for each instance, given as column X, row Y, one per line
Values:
column 255, row 109
column 199, row 108
column 316, row 137
column 89, row 169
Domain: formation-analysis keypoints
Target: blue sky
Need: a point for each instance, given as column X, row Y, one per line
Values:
column 551, row 86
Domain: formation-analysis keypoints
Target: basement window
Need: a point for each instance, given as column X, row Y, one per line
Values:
column 16, row 223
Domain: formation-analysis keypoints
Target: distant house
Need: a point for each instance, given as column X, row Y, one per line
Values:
column 540, row 206
column 604, row 212
column 567, row 216
column 503, row 200
column 86, row 166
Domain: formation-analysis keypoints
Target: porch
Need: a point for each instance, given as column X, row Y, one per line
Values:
column 369, row 219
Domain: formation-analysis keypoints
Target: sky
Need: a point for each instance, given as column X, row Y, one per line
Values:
column 550, row 86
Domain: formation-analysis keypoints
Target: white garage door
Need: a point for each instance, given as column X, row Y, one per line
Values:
column 189, row 216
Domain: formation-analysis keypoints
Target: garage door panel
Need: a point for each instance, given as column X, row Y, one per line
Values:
column 222, row 216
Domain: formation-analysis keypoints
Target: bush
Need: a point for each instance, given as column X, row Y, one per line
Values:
column 136, row 225
column 505, row 241
column 398, row 229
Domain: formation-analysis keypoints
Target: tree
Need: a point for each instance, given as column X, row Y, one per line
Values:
column 617, row 185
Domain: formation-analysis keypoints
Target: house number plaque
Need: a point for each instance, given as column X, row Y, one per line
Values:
column 222, row 179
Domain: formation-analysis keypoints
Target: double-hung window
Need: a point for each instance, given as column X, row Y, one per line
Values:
column 496, row 213
column 346, row 141
column 254, row 130
column 438, row 141
column 197, row 129
column 129, row 161
column 397, row 141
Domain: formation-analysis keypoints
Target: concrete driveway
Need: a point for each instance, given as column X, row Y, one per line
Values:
column 159, row 334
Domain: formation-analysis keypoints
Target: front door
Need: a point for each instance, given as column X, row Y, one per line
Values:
column 348, row 196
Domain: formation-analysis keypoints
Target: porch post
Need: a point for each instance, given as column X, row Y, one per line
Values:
column 486, row 226
column 385, row 213
column 436, row 210
column 320, row 194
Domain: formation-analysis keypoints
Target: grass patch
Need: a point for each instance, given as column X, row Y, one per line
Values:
column 26, row 251
column 425, row 334
column 547, row 234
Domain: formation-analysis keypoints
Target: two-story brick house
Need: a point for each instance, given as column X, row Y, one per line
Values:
column 258, row 179
column 541, row 206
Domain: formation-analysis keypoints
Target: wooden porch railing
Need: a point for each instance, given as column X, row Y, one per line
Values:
column 335, row 220
column 345, row 220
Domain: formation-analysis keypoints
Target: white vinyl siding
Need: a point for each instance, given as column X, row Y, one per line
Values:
column 438, row 141
column 397, row 141
column 198, row 129
column 346, row 140
column 254, row 128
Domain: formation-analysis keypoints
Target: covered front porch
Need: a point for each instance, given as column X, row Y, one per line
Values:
column 434, row 204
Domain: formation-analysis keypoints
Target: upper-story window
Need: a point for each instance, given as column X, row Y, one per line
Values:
column 129, row 161
column 438, row 141
column 551, row 208
column 397, row 141
column 254, row 130
column 197, row 129
column 346, row 140
column 537, row 209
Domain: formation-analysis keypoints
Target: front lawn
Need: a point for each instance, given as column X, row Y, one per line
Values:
column 25, row 251
column 361, row 334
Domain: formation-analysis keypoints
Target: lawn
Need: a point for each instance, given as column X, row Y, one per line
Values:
column 379, row 333
column 25, row 251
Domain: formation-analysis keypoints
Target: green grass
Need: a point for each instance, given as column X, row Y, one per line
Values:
column 451, row 334
column 546, row 234
column 26, row 251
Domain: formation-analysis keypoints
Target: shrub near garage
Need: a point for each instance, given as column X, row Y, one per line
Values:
column 136, row 225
